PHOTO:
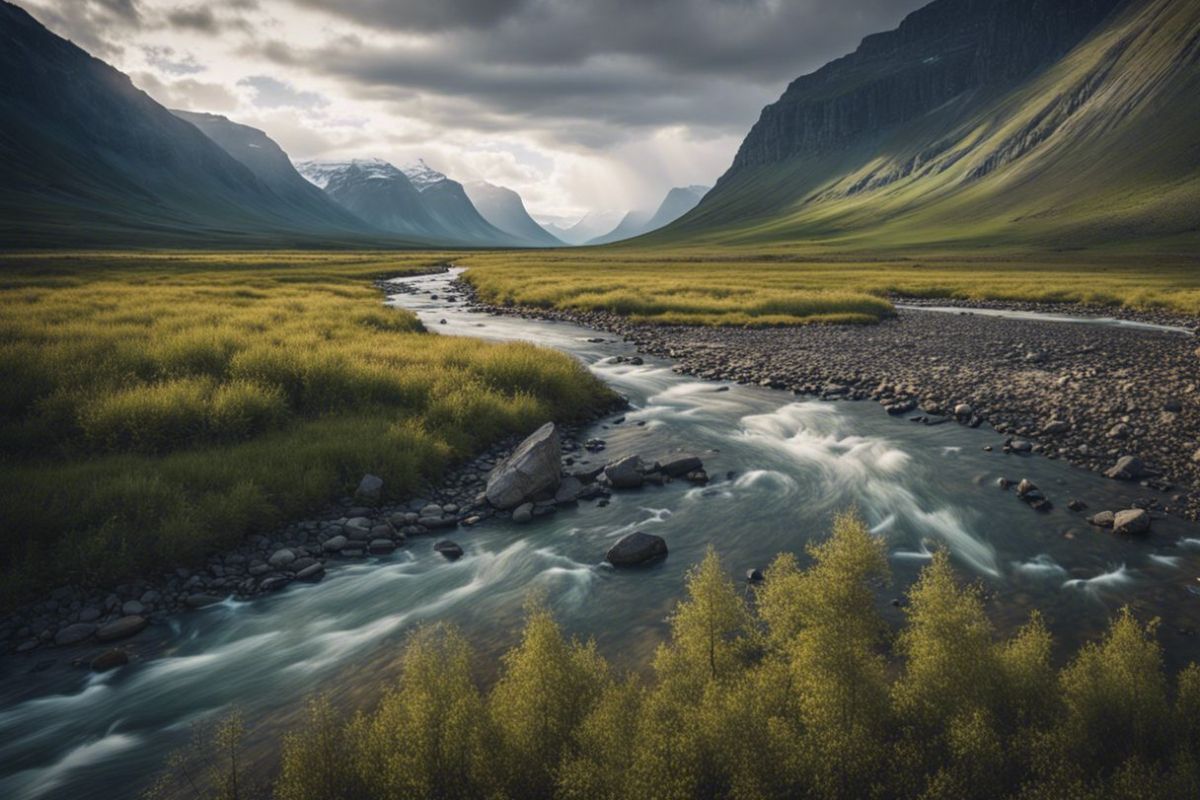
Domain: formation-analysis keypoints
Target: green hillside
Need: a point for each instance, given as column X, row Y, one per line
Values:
column 1099, row 149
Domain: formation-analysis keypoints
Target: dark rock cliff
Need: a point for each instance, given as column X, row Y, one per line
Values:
column 939, row 53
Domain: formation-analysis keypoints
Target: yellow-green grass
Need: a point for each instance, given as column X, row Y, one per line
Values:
column 154, row 407
column 802, row 284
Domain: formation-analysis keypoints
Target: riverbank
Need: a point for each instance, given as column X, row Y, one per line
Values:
column 1087, row 393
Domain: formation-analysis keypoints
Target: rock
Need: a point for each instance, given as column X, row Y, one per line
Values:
column 636, row 548
column 381, row 547
column 273, row 583
column 334, row 544
column 1055, row 427
column 312, row 573
column 531, row 469
column 370, row 489
column 677, row 466
column 437, row 523
column 963, row 410
column 450, row 550
column 89, row 614
column 200, row 600
column 568, row 490
column 1131, row 521
column 754, row 575
column 1020, row 445
column 281, row 558
column 698, row 477
column 74, row 634
column 625, row 473
column 110, row 659
column 1027, row 488
column 132, row 608
column 1102, row 519
column 1173, row 406
column 523, row 513
column 1127, row 468
column 1076, row 505
column 1196, row 457
column 122, row 628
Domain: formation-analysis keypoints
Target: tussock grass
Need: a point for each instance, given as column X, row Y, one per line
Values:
column 154, row 407
column 800, row 284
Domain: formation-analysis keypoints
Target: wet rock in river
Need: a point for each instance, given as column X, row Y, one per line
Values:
column 122, row 628
column 1102, row 519
column 523, row 513
column 531, row 469
column 626, row 473
column 677, row 466
column 109, row 660
column 381, row 547
column 312, row 573
column 1127, row 468
column 636, row 548
column 74, row 634
column 1131, row 521
column 450, row 550
column 568, row 491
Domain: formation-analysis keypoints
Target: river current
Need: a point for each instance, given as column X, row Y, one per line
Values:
column 781, row 465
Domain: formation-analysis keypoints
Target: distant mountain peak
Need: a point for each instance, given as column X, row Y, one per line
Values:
column 421, row 174
column 320, row 172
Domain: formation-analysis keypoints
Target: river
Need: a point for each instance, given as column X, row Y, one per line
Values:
column 781, row 467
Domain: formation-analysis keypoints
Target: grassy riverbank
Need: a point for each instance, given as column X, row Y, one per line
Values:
column 154, row 407
column 803, row 692
column 802, row 284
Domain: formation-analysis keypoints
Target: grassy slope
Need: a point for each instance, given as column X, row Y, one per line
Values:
column 155, row 407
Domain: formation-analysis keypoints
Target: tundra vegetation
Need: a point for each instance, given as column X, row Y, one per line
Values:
column 157, row 406
column 802, row 284
column 801, row 691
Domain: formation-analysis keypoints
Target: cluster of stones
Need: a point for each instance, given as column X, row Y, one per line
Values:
column 1129, row 521
column 533, row 481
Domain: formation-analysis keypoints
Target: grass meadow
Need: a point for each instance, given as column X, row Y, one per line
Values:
column 154, row 407
column 789, row 286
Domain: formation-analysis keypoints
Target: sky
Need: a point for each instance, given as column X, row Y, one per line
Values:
column 579, row 105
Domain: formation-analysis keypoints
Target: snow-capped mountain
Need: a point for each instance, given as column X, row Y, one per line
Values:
column 422, row 175
column 432, row 206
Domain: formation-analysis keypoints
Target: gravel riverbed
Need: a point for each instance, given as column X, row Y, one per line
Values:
column 1089, row 393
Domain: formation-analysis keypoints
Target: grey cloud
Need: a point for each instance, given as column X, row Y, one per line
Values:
column 92, row 24
column 165, row 60
column 186, row 93
column 273, row 93
column 197, row 18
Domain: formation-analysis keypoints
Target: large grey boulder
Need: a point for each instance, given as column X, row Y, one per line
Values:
column 680, row 465
column 370, row 488
column 533, row 468
column 122, row 628
column 636, row 548
column 74, row 634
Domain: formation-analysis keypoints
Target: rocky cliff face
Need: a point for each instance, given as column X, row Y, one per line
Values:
column 944, row 52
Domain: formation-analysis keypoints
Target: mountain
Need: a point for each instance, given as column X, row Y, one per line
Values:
column 504, row 209
column 591, row 225
column 270, row 164
column 427, row 205
column 1027, row 124
column 447, row 202
column 678, row 202
column 90, row 160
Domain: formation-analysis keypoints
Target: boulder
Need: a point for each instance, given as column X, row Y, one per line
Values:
column 754, row 575
column 568, row 490
column 963, row 410
column 109, row 659
column 273, row 583
column 74, row 634
column 1131, row 521
column 381, row 547
column 132, row 608
column 450, row 550
column 281, row 558
column 523, row 513
column 437, row 523
column 201, row 600
column 334, row 544
column 1020, row 445
column 122, row 628
column 370, row 489
column 636, row 548
column 678, row 466
column 312, row 573
column 1127, row 468
column 531, row 469
column 626, row 473
column 1056, row 426
column 1028, row 490
column 1102, row 519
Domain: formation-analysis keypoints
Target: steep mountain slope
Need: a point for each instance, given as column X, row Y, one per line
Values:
column 678, row 202
column 446, row 201
column 505, row 209
column 997, row 123
column 270, row 164
column 88, row 159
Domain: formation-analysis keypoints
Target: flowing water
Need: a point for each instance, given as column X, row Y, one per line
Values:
column 781, row 467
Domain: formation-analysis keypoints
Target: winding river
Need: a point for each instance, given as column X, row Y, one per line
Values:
column 782, row 466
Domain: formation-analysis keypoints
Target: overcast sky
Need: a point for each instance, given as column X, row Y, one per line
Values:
column 576, row 104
